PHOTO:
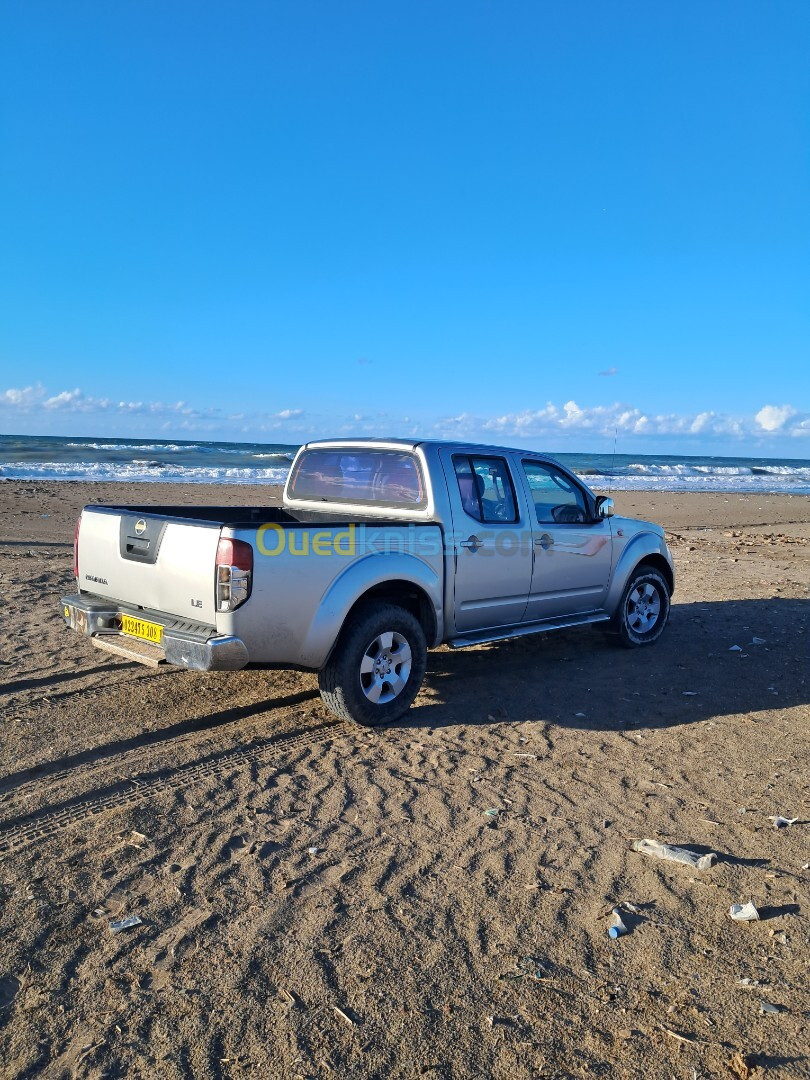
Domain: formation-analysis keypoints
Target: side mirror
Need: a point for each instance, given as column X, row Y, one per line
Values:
column 604, row 507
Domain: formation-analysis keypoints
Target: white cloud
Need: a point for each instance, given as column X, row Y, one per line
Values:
column 73, row 400
column 550, row 420
column 22, row 398
column 609, row 371
column 605, row 420
column 774, row 417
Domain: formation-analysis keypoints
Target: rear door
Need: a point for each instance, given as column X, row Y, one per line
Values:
column 146, row 560
column 572, row 550
column 491, row 543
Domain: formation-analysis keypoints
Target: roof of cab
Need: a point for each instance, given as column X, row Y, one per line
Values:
column 412, row 444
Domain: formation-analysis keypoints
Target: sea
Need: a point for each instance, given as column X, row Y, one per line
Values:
column 53, row 458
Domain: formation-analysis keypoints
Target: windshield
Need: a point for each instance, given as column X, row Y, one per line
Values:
column 378, row 477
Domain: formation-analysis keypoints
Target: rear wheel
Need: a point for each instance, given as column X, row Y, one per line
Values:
column 377, row 666
column 644, row 609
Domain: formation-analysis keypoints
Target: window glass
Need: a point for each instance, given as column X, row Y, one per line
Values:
column 382, row 477
column 557, row 499
column 485, row 488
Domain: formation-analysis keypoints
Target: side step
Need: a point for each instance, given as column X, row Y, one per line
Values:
column 503, row 633
column 144, row 652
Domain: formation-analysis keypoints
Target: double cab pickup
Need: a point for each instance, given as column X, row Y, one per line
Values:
column 380, row 550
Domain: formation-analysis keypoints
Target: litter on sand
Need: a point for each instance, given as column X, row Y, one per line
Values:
column 744, row 912
column 780, row 822
column 766, row 1009
column 492, row 812
column 687, row 1039
column 757, row 641
column 735, row 648
column 670, row 853
column 125, row 924
column 343, row 1016
column 312, row 851
column 618, row 929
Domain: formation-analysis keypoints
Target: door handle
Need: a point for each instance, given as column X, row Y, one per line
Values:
column 545, row 541
column 472, row 542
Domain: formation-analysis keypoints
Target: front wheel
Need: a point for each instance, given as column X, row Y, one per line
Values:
column 377, row 666
column 644, row 609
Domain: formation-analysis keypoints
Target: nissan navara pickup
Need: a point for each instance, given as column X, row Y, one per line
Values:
column 380, row 550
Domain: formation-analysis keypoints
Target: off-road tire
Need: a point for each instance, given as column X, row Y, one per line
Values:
column 624, row 625
column 339, row 679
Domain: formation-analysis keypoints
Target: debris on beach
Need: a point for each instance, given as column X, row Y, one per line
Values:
column 527, row 967
column 767, row 1009
column 685, row 1039
column 125, row 924
column 744, row 912
column 502, row 1021
column 735, row 648
column 757, row 641
column 312, row 851
column 618, row 929
column 343, row 1015
column 780, row 822
column 670, row 853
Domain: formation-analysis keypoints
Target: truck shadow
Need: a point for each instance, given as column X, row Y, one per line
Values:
column 581, row 679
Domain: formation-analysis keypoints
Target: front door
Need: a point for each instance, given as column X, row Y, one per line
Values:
column 492, row 545
column 572, row 551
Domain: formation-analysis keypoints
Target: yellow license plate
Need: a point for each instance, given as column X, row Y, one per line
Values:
column 148, row 631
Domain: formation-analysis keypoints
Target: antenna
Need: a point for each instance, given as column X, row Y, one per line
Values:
column 613, row 462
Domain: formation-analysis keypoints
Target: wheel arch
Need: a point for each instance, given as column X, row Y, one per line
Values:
column 659, row 563
column 405, row 594
column 392, row 578
column 645, row 548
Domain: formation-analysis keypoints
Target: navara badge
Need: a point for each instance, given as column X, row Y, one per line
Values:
column 140, row 526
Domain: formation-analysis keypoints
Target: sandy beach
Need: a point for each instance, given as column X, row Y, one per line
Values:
column 320, row 900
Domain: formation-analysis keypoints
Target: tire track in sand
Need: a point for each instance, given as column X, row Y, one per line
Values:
column 49, row 822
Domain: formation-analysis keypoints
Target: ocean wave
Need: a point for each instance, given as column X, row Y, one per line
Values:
column 729, row 482
column 142, row 470
column 690, row 470
column 781, row 470
column 173, row 447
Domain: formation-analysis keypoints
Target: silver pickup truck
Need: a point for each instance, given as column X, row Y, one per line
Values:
column 380, row 550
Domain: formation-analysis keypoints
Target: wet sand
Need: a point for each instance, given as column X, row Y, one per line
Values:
column 321, row 900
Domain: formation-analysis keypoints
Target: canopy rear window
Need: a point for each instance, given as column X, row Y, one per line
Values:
column 375, row 477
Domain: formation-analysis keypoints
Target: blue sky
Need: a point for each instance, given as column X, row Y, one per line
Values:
column 274, row 220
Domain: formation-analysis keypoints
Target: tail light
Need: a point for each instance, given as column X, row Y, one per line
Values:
column 76, row 547
column 234, row 573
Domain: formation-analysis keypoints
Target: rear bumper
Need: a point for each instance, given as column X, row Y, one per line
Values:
column 101, row 619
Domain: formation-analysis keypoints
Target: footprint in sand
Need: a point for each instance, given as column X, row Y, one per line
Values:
column 166, row 950
column 237, row 846
column 123, row 896
column 112, row 906
column 321, row 883
column 182, row 867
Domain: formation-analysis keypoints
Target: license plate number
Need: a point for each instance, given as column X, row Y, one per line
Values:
column 139, row 628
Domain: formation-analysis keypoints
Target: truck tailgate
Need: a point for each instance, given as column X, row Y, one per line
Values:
column 158, row 563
